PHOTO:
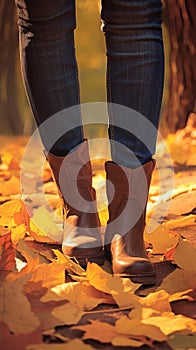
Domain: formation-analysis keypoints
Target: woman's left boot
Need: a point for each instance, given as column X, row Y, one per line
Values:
column 73, row 177
column 124, row 242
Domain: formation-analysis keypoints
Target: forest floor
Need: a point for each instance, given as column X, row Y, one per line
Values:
column 48, row 301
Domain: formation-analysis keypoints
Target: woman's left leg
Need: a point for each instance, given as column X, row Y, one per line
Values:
column 135, row 65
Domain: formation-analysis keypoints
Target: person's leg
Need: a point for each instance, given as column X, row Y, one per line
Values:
column 135, row 65
column 49, row 67
column 50, row 74
column 135, row 70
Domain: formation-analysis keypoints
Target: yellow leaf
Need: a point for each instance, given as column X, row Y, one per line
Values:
column 68, row 313
column 122, row 341
column 158, row 301
column 183, row 295
column 135, row 327
column 18, row 233
column 70, row 265
column 10, row 187
column 106, row 333
column 161, row 238
column 107, row 283
column 15, row 309
column 71, row 345
column 84, row 296
column 185, row 256
column 49, row 275
column 178, row 280
column 181, row 222
column 7, row 211
column 172, row 323
column 43, row 227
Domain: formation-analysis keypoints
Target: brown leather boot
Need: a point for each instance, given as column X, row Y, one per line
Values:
column 73, row 177
column 124, row 242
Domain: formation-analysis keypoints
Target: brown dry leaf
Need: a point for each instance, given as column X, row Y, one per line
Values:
column 105, row 333
column 182, row 342
column 185, row 256
column 135, row 327
column 10, row 341
column 15, row 309
column 7, row 255
column 43, row 227
column 71, row 345
column 10, row 187
column 30, row 254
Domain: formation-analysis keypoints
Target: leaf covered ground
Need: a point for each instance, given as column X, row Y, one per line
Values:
column 47, row 301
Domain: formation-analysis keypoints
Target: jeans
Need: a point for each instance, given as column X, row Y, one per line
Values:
column 135, row 71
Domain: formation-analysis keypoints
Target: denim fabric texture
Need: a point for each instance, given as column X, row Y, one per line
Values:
column 135, row 68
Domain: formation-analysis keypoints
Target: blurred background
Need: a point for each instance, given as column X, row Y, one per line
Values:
column 179, row 98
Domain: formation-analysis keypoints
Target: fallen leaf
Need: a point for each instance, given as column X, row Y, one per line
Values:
column 171, row 323
column 81, row 294
column 9, row 341
column 122, row 341
column 107, row 283
column 135, row 327
column 182, row 342
column 106, row 333
column 185, row 256
column 43, row 228
column 18, row 233
column 71, row 345
column 7, row 255
column 68, row 313
column 178, row 280
column 161, row 238
column 7, row 211
column 30, row 254
column 70, row 265
column 15, row 309
column 49, row 275
column 159, row 301
column 11, row 186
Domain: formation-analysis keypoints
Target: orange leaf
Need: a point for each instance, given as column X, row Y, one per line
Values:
column 21, row 216
column 7, row 255
column 10, row 187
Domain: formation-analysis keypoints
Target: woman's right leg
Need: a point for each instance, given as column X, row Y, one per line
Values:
column 49, row 66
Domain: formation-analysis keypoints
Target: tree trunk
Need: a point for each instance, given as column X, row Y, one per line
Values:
column 13, row 103
column 182, row 88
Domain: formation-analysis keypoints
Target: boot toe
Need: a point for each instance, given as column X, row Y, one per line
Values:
column 137, row 269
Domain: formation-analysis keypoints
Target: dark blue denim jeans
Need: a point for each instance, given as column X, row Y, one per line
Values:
column 135, row 68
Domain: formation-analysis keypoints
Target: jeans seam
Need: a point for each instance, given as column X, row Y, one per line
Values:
column 109, row 98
